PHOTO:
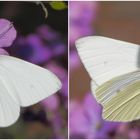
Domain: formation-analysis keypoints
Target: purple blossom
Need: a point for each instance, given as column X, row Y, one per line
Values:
column 86, row 120
column 47, row 33
column 7, row 33
column 40, row 52
column 51, row 103
column 41, row 46
column 62, row 74
column 82, row 15
column 3, row 52
column 134, row 133
column 53, row 40
column 78, row 121
column 83, row 11
column 82, row 119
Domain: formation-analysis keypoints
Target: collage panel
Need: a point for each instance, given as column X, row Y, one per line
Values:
column 33, row 92
column 95, row 30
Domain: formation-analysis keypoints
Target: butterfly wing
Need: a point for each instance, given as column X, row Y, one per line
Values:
column 120, row 97
column 9, row 109
column 110, row 63
column 105, row 58
column 27, row 82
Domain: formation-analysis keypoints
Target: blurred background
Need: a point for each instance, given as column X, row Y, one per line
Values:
column 42, row 40
column 118, row 20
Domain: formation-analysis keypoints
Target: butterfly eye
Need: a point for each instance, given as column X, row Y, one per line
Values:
column 6, row 29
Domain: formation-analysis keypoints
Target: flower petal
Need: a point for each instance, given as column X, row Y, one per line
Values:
column 3, row 52
column 7, row 33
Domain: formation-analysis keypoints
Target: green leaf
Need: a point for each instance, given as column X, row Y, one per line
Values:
column 58, row 5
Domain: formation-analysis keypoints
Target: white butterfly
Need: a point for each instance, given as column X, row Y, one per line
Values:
column 113, row 66
column 22, row 84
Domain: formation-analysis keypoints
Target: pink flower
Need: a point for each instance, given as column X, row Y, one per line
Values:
column 51, row 103
column 82, row 16
column 86, row 121
column 7, row 35
column 62, row 74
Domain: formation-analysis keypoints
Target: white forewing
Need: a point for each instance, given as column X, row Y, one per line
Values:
column 27, row 83
column 106, row 58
